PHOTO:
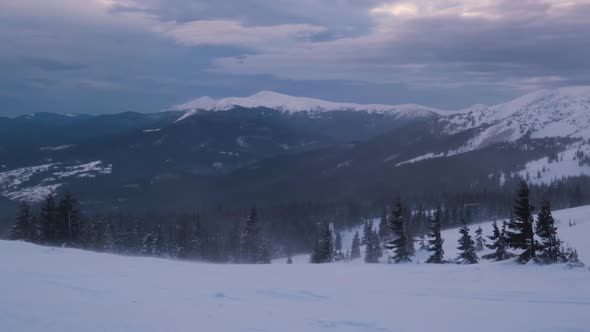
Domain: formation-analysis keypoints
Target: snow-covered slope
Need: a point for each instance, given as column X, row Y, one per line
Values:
column 290, row 104
column 53, row 289
column 562, row 112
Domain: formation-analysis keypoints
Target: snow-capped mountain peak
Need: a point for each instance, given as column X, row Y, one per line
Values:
column 292, row 104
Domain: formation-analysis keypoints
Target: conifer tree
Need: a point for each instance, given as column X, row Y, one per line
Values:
column 373, row 248
column 355, row 250
column 68, row 220
column 400, row 244
column 367, row 229
column 196, row 242
column 521, row 234
column 47, row 220
column 323, row 250
column 159, row 243
column 435, row 241
column 289, row 259
column 549, row 246
column 499, row 243
column 251, row 242
column 338, row 242
column 21, row 230
column 480, row 242
column 109, row 239
column 467, row 253
column 384, row 230
column 147, row 246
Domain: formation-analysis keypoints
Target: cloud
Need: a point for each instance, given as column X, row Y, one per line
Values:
column 234, row 33
column 450, row 51
column 445, row 43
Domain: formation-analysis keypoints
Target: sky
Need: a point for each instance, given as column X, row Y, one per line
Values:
column 107, row 56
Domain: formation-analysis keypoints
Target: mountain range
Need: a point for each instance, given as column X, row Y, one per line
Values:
column 271, row 148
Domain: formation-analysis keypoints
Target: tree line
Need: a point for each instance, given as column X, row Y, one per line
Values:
column 534, row 240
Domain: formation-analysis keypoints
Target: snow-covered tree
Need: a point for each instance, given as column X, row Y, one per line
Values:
column 467, row 254
column 549, row 246
column 435, row 240
column 21, row 230
column 499, row 243
column 480, row 241
column 355, row 250
column 400, row 244
column 521, row 235
column 323, row 251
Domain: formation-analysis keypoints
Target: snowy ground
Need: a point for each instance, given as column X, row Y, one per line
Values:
column 49, row 289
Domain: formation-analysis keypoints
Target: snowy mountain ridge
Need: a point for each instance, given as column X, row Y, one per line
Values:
column 291, row 104
column 563, row 112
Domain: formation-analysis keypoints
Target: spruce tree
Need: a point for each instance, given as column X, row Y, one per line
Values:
column 22, row 227
column 435, row 241
column 159, row 244
column 499, row 243
column 68, row 220
column 373, row 248
column 467, row 253
column 384, row 230
column 521, row 234
column 549, row 246
column 196, row 242
column 367, row 229
column 109, row 239
column 323, row 250
column 147, row 246
column 355, row 250
column 400, row 244
column 47, row 220
column 250, row 245
column 480, row 242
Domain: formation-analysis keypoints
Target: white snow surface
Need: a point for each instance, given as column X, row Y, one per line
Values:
column 17, row 184
column 291, row 104
column 54, row 289
column 563, row 112
column 568, row 165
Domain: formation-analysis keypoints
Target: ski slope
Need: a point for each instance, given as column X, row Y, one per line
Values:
column 53, row 289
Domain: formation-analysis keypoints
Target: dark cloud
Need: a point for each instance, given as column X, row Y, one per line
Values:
column 149, row 54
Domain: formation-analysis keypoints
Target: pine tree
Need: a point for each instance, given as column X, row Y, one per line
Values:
column 521, row 234
column 384, row 230
column 263, row 255
column 196, row 242
column 467, row 247
column 251, row 242
column 547, row 232
column 338, row 242
column 373, row 248
column 499, row 244
column 147, row 246
column 109, row 239
column 22, row 227
column 400, row 245
column 159, row 244
column 68, row 220
column 289, row 259
column 480, row 242
column 367, row 229
column 47, row 220
column 355, row 250
column 323, row 250
column 435, row 241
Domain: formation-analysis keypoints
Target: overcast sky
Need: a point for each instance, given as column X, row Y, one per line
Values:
column 105, row 56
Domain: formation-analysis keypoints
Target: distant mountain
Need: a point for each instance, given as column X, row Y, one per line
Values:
column 290, row 104
column 274, row 147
